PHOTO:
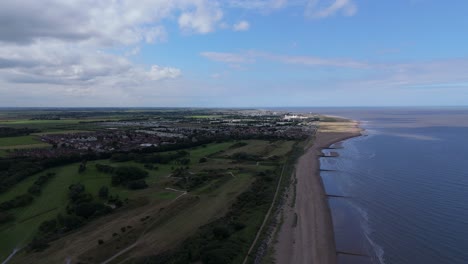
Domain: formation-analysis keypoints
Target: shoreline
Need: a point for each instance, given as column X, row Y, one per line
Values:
column 306, row 234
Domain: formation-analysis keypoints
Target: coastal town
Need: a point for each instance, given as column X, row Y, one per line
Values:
column 128, row 135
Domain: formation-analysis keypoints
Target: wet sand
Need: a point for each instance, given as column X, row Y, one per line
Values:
column 306, row 234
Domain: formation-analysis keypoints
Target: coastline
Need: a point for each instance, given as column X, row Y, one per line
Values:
column 306, row 234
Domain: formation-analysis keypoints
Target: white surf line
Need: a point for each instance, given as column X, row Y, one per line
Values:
column 11, row 255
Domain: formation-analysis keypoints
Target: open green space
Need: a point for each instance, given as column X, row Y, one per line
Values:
column 215, row 195
column 205, row 116
column 16, row 141
column 60, row 132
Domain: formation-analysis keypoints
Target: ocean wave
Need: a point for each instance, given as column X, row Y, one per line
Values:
column 376, row 251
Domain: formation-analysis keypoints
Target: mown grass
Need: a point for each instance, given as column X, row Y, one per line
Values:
column 54, row 194
column 53, row 200
column 215, row 197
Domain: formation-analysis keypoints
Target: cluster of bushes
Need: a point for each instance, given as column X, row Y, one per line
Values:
column 27, row 198
column 14, row 170
column 18, row 201
column 161, row 158
column 104, row 168
column 36, row 188
column 238, row 145
column 15, row 132
column 128, row 176
column 82, row 207
column 225, row 240
column 131, row 177
column 82, row 203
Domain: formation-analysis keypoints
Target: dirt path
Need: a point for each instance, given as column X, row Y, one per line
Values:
column 11, row 255
column 306, row 235
column 259, row 232
column 125, row 250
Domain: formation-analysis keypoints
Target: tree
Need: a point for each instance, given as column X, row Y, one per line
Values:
column 104, row 192
column 38, row 244
column 82, row 167
column 128, row 173
column 136, row 185
column 75, row 191
column 49, row 226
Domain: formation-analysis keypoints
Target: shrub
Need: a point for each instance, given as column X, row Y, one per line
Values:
column 103, row 192
column 128, row 173
column 137, row 185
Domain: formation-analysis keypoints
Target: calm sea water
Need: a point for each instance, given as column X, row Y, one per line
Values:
column 405, row 186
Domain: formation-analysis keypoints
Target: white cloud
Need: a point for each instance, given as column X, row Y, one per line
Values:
column 201, row 20
column 241, row 26
column 104, row 22
column 319, row 9
column 227, row 57
column 56, row 62
column 262, row 5
column 132, row 52
column 251, row 56
column 158, row 73
column 82, row 47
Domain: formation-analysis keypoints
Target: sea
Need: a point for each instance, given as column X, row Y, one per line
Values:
column 399, row 193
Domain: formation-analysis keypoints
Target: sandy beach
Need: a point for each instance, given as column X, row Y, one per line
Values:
column 306, row 234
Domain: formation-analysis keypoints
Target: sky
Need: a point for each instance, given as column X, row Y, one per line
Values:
column 233, row 53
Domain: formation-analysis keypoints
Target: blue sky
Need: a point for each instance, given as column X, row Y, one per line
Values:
column 231, row 53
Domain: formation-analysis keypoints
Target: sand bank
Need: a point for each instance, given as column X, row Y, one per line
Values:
column 306, row 234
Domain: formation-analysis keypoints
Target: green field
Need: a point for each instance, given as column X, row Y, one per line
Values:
column 60, row 132
column 16, row 141
column 215, row 196
column 205, row 116
column 56, row 126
